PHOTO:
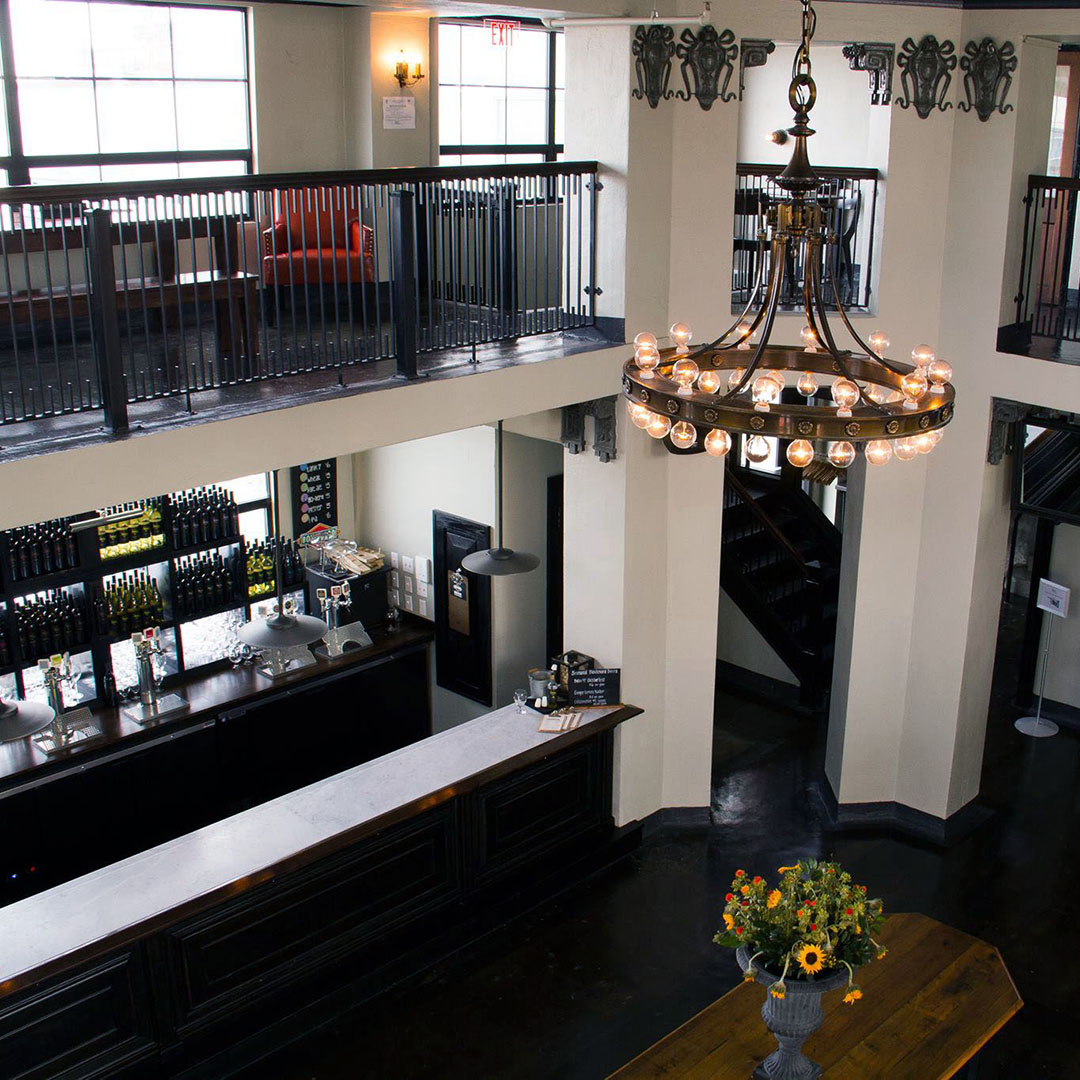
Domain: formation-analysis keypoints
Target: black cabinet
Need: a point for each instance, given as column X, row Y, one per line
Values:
column 94, row 1023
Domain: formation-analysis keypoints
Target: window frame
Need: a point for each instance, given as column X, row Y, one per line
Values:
column 550, row 149
column 18, row 163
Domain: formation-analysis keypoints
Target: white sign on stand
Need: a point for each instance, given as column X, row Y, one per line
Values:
column 399, row 113
column 1054, row 599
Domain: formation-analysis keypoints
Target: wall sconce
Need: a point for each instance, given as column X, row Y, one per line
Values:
column 402, row 72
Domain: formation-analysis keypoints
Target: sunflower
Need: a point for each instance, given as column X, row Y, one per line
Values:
column 772, row 899
column 810, row 958
column 785, row 869
column 852, row 996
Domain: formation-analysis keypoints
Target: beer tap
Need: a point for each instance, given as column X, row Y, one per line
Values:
column 147, row 645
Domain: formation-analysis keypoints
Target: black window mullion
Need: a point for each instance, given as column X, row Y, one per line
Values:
column 18, row 171
column 550, row 153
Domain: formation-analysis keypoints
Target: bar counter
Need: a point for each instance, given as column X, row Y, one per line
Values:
column 203, row 952
column 96, row 913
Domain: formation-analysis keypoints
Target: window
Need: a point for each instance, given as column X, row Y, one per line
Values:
column 120, row 91
column 499, row 103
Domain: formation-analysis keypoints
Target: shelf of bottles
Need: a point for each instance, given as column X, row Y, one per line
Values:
column 178, row 561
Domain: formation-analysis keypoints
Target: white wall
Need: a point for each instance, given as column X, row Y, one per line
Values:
column 738, row 642
column 398, row 487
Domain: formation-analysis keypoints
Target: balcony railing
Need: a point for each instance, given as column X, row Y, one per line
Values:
column 112, row 294
column 850, row 199
column 1047, row 297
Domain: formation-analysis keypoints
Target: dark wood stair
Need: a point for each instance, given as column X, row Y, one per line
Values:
column 780, row 563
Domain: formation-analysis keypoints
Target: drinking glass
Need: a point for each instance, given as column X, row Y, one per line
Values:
column 519, row 700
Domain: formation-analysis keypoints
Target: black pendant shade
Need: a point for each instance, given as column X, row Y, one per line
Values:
column 500, row 560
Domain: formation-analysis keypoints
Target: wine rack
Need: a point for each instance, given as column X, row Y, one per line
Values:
column 127, row 578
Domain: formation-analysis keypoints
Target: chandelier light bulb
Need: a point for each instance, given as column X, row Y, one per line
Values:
column 646, row 357
column 841, row 454
column 878, row 452
column 922, row 355
column 709, row 381
column 685, row 373
column 757, row 448
column 645, row 338
column 844, row 394
column 717, row 442
column 807, row 384
column 766, row 392
column 938, row 434
column 810, row 340
column 924, row 441
column 913, row 385
column 681, row 334
column 939, row 372
column 878, row 394
column 743, row 332
column 683, row 435
column 800, row 453
column 658, row 426
column 735, row 377
column 905, row 449
column 639, row 415
column 879, row 343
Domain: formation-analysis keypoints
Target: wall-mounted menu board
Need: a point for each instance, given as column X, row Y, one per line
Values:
column 597, row 686
column 314, row 495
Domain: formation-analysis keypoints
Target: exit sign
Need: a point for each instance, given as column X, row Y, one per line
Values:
column 502, row 30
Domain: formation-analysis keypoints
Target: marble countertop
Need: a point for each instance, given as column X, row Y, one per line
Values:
column 117, row 904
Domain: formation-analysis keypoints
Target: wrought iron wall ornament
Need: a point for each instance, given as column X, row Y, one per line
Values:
column 753, row 52
column 987, row 76
column 707, row 56
column 876, row 58
column 1004, row 416
column 653, row 48
column 925, row 74
column 573, row 427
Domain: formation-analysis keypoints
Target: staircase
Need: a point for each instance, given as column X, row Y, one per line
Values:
column 780, row 563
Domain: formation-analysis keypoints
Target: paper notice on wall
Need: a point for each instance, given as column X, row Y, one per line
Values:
column 399, row 113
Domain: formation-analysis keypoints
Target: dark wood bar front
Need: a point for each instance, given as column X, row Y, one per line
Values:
column 244, row 739
column 197, row 957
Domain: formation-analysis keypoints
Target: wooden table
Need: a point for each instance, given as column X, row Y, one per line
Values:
column 927, row 1009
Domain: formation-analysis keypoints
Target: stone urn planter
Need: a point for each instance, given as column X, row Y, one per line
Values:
column 792, row 1019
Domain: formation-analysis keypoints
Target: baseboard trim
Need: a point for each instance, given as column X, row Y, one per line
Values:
column 613, row 329
column 678, row 817
column 896, row 817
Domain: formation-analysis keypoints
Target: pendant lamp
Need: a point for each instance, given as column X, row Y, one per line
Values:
column 18, row 719
column 280, row 631
column 499, row 560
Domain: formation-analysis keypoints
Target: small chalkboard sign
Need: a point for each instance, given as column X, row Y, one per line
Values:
column 314, row 495
column 598, row 686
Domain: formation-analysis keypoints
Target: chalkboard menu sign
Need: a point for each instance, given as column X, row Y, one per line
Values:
column 314, row 495
column 598, row 686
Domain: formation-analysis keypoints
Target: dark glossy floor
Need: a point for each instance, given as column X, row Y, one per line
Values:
column 583, row 983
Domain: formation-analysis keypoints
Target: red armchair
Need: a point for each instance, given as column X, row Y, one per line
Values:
column 317, row 240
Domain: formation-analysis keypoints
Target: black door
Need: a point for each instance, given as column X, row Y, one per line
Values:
column 462, row 609
column 555, row 565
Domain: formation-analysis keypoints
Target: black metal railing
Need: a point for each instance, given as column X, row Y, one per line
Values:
column 850, row 198
column 1048, row 294
column 118, row 293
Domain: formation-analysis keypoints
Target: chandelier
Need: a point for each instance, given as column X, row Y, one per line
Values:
column 696, row 396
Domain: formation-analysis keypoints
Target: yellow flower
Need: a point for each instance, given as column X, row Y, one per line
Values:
column 858, row 929
column 772, row 899
column 745, row 890
column 810, row 958
column 785, row 869
column 748, row 975
column 729, row 922
column 778, row 990
column 882, row 952
column 852, row 996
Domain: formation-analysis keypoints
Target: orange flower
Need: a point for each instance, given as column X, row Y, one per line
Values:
column 772, row 899
column 757, row 881
column 777, row 990
column 745, row 890
column 852, row 996
column 729, row 922
column 740, row 873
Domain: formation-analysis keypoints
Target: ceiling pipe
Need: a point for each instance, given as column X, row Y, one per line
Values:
column 654, row 19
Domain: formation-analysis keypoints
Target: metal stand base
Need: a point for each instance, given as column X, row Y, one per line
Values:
column 335, row 640
column 24, row 719
column 77, row 726
column 150, row 714
column 1036, row 727
column 280, row 662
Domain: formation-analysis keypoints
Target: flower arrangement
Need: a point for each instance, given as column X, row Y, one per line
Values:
column 814, row 920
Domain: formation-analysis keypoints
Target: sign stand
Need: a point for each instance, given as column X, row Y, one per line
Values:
column 1053, row 599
